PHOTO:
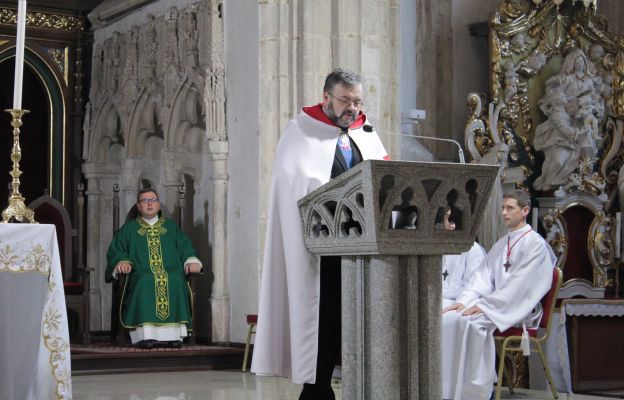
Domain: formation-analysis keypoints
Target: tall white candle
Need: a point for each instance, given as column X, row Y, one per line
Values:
column 534, row 216
column 618, row 234
column 19, row 54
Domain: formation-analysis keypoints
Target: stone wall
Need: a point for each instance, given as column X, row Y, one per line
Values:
column 156, row 117
column 300, row 43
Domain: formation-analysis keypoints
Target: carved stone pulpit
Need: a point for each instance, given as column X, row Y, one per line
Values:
column 385, row 219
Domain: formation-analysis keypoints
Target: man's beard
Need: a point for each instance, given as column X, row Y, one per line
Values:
column 339, row 120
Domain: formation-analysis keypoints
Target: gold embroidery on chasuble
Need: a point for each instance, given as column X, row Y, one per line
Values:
column 161, row 280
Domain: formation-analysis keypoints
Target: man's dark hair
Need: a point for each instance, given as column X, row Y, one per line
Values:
column 341, row 76
column 522, row 197
column 146, row 190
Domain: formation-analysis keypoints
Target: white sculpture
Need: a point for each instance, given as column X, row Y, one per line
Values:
column 555, row 137
column 570, row 137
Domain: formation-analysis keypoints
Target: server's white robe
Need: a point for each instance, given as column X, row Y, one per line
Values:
column 507, row 298
column 459, row 269
column 287, row 332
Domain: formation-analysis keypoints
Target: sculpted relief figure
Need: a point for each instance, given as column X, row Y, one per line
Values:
column 97, row 71
column 518, row 44
column 570, row 137
column 574, row 79
column 510, row 81
column 171, row 35
column 533, row 64
column 113, row 61
column 131, row 54
column 148, row 51
column 188, row 24
column 603, row 75
column 555, row 137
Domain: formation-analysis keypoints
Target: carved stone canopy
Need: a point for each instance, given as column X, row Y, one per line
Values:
column 111, row 10
column 395, row 207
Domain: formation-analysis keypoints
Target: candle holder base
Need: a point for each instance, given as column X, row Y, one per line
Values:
column 17, row 210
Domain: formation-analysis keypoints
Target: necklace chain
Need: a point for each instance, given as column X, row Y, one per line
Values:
column 509, row 248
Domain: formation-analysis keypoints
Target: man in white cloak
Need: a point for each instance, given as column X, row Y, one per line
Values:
column 299, row 331
column 504, row 292
column 458, row 269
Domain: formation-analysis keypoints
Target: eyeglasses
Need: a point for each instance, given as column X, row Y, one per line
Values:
column 149, row 201
column 347, row 102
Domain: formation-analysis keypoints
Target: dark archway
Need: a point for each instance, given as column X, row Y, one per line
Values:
column 34, row 136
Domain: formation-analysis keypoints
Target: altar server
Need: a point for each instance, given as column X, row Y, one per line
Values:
column 505, row 292
column 458, row 269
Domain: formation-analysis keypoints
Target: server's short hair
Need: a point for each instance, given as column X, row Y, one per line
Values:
column 522, row 197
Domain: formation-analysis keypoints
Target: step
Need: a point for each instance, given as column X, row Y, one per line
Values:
column 110, row 359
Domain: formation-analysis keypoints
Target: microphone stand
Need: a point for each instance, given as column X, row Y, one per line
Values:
column 460, row 152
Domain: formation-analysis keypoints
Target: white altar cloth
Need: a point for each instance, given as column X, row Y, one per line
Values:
column 34, row 337
column 556, row 347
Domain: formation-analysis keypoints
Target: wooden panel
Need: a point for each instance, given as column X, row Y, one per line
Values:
column 578, row 264
column 596, row 353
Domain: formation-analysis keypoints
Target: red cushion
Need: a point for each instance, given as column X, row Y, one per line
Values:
column 252, row 318
column 73, row 288
column 514, row 331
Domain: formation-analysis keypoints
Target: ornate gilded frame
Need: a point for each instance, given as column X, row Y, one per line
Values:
column 600, row 239
column 528, row 41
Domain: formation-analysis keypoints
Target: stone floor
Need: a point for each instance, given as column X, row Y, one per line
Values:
column 215, row 385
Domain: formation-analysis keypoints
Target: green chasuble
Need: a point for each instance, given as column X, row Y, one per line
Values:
column 156, row 291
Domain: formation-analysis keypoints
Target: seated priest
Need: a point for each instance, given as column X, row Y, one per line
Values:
column 457, row 269
column 505, row 291
column 156, row 255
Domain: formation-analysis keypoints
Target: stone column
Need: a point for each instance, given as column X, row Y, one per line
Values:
column 389, row 321
column 434, row 65
column 171, row 200
column 369, row 45
column 220, row 298
column 371, row 320
column 429, row 326
column 100, row 179
column 93, row 252
column 131, row 171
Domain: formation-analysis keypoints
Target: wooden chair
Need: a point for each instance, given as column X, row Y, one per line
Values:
column 118, row 335
column 75, row 275
column 509, row 341
column 252, row 321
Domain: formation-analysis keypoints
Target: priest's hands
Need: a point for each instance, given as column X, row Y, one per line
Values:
column 192, row 268
column 459, row 307
column 454, row 307
column 123, row 267
column 474, row 310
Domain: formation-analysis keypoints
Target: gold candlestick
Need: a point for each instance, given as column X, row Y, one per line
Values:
column 17, row 209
